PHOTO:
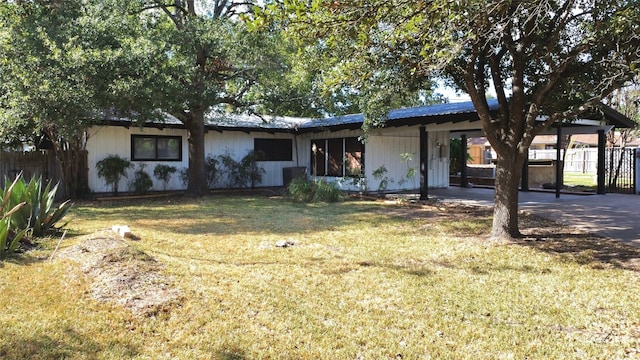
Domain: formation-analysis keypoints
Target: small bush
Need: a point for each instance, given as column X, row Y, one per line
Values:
column 184, row 176
column 212, row 171
column 381, row 175
column 301, row 189
column 250, row 169
column 233, row 171
column 327, row 192
column 305, row 190
column 243, row 173
column 27, row 208
column 111, row 169
column 141, row 182
column 164, row 173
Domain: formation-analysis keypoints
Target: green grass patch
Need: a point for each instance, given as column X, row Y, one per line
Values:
column 580, row 179
column 362, row 280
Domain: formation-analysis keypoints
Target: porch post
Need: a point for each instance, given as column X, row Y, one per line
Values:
column 558, row 157
column 463, row 162
column 601, row 166
column 424, row 169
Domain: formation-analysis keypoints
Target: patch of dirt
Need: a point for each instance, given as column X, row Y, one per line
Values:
column 122, row 274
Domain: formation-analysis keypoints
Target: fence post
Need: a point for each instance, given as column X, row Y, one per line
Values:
column 601, row 162
column 636, row 166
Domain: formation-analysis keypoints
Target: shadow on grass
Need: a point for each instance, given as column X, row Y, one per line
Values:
column 40, row 346
column 588, row 249
column 222, row 215
column 230, row 354
column 584, row 248
column 430, row 267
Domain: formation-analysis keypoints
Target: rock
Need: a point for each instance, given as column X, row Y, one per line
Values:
column 284, row 243
column 124, row 231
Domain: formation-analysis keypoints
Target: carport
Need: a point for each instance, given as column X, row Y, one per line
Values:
column 599, row 121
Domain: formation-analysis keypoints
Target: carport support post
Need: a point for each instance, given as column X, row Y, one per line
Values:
column 463, row 162
column 558, row 157
column 601, row 156
column 424, row 170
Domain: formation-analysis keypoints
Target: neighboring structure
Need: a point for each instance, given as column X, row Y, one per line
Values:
column 413, row 146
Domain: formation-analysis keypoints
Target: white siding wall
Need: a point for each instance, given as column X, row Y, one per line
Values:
column 384, row 148
column 238, row 144
column 116, row 140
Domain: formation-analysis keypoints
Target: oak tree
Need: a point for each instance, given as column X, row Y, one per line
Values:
column 548, row 61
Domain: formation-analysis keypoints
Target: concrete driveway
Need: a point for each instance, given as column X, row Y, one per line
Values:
column 616, row 216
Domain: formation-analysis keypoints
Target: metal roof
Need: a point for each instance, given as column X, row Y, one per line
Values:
column 421, row 115
column 427, row 114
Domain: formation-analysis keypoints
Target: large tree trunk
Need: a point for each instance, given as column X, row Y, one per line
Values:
column 505, row 211
column 197, row 176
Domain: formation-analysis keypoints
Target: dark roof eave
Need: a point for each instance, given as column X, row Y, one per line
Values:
column 247, row 129
column 617, row 119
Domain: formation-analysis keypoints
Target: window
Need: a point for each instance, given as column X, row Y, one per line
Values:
column 274, row 149
column 159, row 148
column 337, row 157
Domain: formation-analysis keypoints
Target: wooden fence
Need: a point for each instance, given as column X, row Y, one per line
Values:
column 33, row 163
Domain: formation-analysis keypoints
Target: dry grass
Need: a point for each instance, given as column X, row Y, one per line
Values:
column 363, row 280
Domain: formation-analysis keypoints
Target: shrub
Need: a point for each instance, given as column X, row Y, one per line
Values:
column 232, row 169
column 381, row 175
column 250, row 169
column 141, row 182
column 241, row 173
column 306, row 190
column 163, row 173
column 327, row 192
column 212, row 171
column 184, row 176
column 111, row 169
column 39, row 214
column 211, row 168
column 301, row 189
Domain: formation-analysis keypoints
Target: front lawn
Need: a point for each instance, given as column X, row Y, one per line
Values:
column 355, row 280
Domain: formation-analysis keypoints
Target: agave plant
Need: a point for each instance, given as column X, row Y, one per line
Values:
column 39, row 213
column 9, row 238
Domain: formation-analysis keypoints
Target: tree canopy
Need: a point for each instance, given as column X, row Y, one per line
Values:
column 546, row 60
column 67, row 64
column 61, row 65
column 208, row 63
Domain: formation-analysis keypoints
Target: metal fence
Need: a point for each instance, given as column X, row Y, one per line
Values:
column 620, row 170
column 619, row 165
column 583, row 161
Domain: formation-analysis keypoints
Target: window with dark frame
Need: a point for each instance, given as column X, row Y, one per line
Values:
column 274, row 149
column 337, row 157
column 156, row 148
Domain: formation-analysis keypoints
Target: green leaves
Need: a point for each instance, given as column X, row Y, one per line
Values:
column 111, row 169
column 32, row 212
column 33, row 205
